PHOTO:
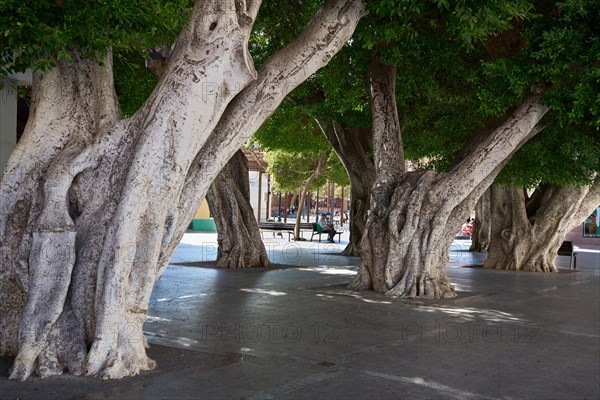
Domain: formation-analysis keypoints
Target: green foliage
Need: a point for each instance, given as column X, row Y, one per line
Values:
column 468, row 20
column 563, row 52
column 277, row 24
column 291, row 170
column 291, row 129
column 336, row 173
column 38, row 33
column 133, row 81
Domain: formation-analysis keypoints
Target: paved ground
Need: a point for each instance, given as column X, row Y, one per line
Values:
column 297, row 333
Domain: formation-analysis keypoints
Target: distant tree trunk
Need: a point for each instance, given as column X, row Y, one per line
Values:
column 527, row 231
column 318, row 171
column 93, row 206
column 414, row 215
column 238, row 233
column 293, row 198
column 482, row 224
column 353, row 147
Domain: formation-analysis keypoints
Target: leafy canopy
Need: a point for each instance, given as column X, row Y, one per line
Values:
column 38, row 33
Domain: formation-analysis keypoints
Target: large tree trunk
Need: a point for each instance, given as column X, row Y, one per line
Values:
column 527, row 231
column 414, row 216
column 322, row 38
column 353, row 147
column 483, row 224
column 89, row 240
column 87, row 219
column 238, row 233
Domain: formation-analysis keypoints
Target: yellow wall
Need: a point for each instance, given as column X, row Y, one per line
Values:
column 203, row 212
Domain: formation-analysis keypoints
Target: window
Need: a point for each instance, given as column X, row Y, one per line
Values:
column 590, row 225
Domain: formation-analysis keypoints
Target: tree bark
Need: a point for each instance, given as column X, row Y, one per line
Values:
column 353, row 147
column 238, row 233
column 482, row 225
column 91, row 235
column 87, row 221
column 414, row 215
column 322, row 38
column 527, row 231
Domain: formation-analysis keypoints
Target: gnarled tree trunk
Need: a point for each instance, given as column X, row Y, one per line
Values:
column 414, row 215
column 352, row 147
column 527, row 231
column 89, row 240
column 87, row 219
column 482, row 225
column 238, row 233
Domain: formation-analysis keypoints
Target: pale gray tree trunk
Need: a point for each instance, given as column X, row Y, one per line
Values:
column 527, row 231
column 238, row 233
column 93, row 206
column 480, row 239
column 322, row 38
column 88, row 242
column 414, row 215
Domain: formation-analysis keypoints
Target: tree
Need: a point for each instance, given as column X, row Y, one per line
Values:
column 297, row 172
column 336, row 93
column 551, row 185
column 93, row 205
column 353, row 147
column 414, row 216
column 298, row 154
column 527, row 230
column 238, row 233
column 480, row 239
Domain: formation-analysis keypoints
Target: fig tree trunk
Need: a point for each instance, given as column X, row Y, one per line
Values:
column 353, row 147
column 93, row 205
column 482, row 224
column 415, row 215
column 527, row 231
column 238, row 233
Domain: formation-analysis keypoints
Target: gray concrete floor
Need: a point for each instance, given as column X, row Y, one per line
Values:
column 297, row 333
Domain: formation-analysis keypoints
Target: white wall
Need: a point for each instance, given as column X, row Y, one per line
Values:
column 253, row 176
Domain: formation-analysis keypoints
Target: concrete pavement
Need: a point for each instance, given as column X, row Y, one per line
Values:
column 296, row 332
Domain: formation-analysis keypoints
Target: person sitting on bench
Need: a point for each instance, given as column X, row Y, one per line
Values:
column 327, row 228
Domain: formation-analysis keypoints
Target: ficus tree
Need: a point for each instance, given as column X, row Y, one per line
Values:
column 513, row 88
column 238, row 235
column 336, row 100
column 551, row 184
column 301, row 172
column 94, row 204
column 421, row 108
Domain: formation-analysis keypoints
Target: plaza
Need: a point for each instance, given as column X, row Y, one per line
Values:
column 295, row 331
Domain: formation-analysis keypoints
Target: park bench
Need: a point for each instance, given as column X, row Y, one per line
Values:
column 566, row 249
column 281, row 227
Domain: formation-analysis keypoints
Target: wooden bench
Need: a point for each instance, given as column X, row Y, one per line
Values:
column 281, row 227
column 566, row 249
column 315, row 231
